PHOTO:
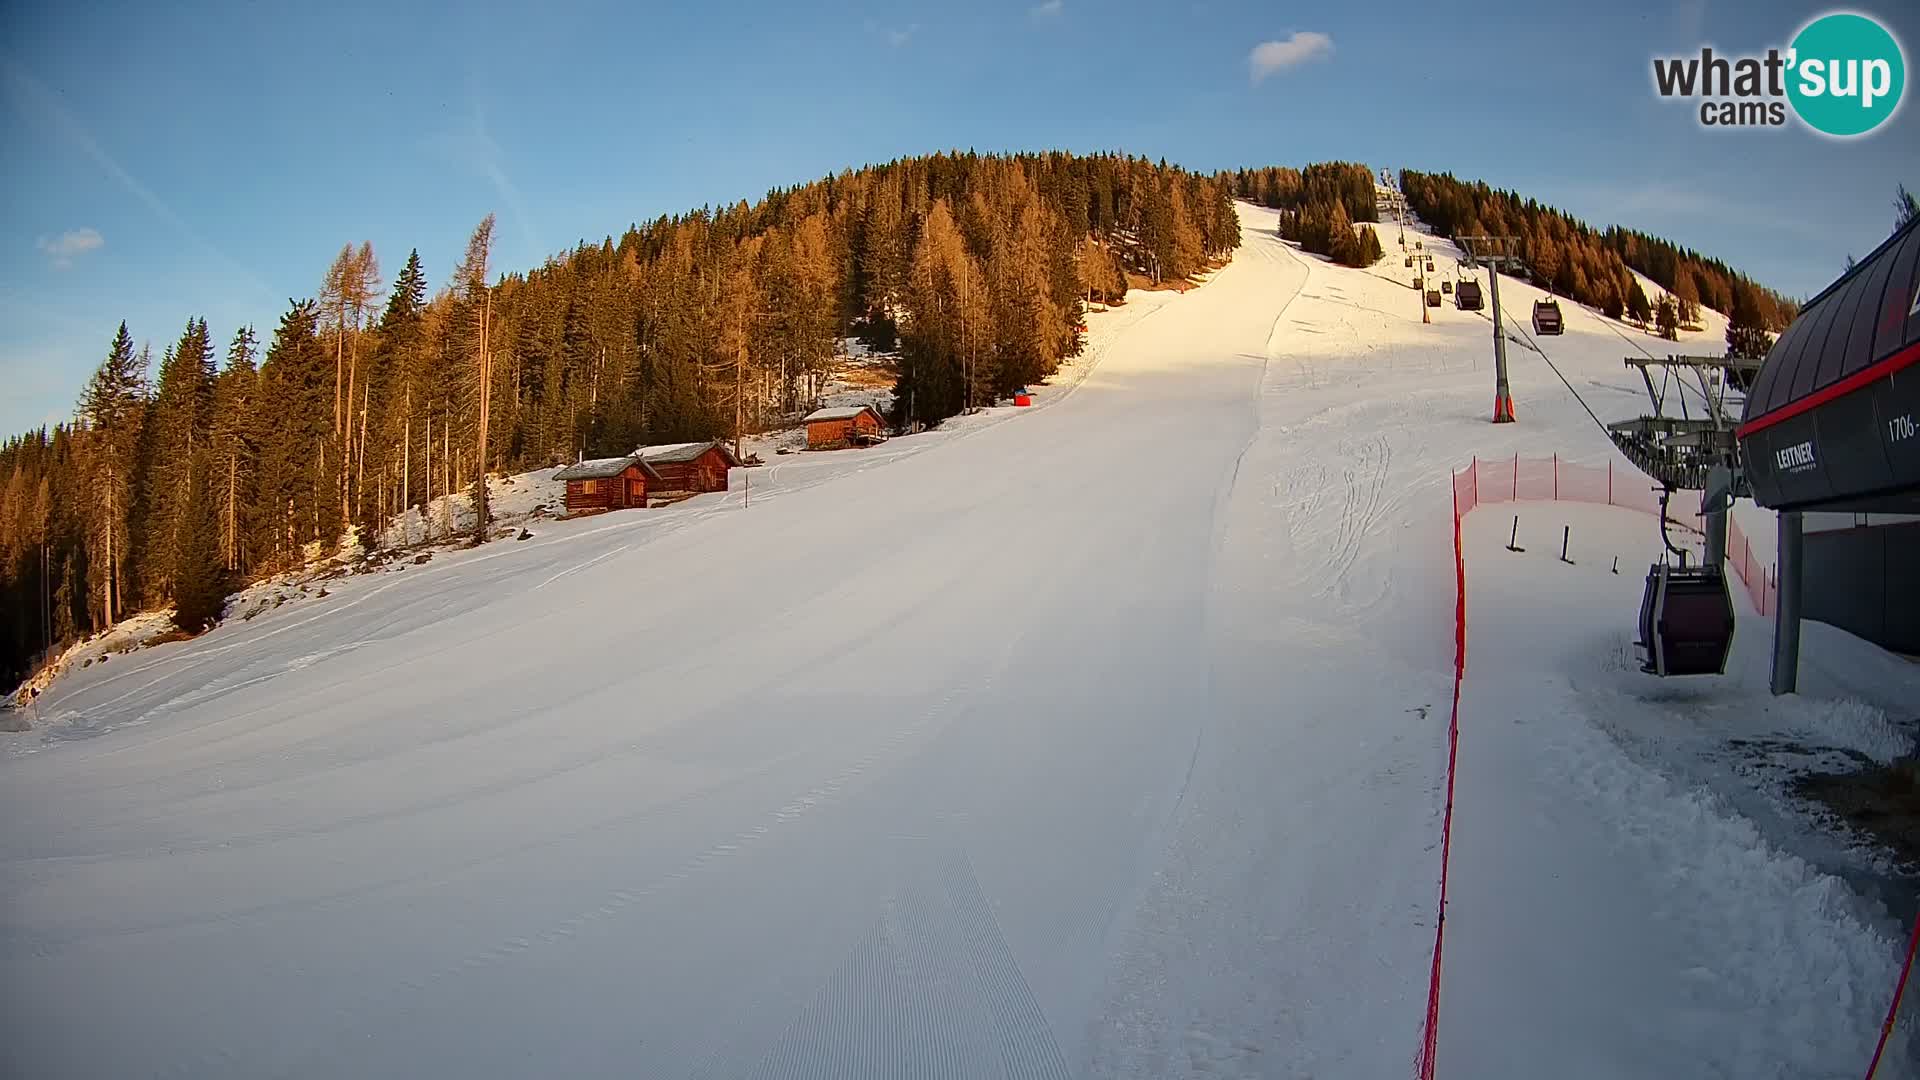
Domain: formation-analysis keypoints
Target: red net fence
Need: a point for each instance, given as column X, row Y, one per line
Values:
column 1518, row 479
column 1430, row 1025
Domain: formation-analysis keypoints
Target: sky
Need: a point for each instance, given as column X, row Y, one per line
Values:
column 167, row 161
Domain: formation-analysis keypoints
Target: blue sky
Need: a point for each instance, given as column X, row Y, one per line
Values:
column 168, row 161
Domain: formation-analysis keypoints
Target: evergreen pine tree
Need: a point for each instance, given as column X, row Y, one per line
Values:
column 883, row 259
column 1342, row 246
column 199, row 583
column 1667, row 319
column 181, row 416
column 295, row 389
column 234, row 442
column 471, row 332
column 1100, row 272
column 398, row 397
column 1369, row 250
column 1686, row 298
column 1186, row 247
column 1155, row 228
column 1612, row 305
column 113, row 411
column 1639, row 309
column 1746, row 333
column 947, row 312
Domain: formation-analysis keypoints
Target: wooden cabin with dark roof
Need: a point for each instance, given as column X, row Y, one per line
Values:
column 616, row 483
column 689, row 468
column 832, row 429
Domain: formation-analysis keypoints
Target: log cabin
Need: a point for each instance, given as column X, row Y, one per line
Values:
column 617, row 483
column 832, row 429
column 688, row 468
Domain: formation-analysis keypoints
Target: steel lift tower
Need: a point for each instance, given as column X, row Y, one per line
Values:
column 1498, row 252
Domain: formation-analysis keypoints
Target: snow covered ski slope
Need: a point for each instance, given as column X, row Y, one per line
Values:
column 1100, row 739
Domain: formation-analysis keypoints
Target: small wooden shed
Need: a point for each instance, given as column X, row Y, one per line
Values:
column 689, row 468
column 616, row 483
column 832, row 429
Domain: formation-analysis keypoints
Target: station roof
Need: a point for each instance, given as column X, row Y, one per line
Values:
column 1830, row 418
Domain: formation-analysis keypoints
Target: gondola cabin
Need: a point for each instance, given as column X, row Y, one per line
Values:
column 617, row 483
column 1686, row 621
column 835, row 429
column 1433, row 297
column 1546, row 317
column 689, row 468
column 1467, row 296
column 1447, row 287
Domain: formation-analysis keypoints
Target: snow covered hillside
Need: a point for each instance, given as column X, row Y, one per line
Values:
column 1105, row 737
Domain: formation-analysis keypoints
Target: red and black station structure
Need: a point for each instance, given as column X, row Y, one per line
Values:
column 1829, row 429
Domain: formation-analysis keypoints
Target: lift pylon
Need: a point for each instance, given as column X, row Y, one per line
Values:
column 1498, row 252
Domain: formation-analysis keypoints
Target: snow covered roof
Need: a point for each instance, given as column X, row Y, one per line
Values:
column 844, row 412
column 680, row 453
column 600, row 468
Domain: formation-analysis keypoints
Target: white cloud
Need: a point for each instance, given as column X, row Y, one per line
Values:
column 1271, row 56
column 892, row 35
column 70, row 245
column 1049, row 10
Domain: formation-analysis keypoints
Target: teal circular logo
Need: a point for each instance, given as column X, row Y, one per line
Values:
column 1846, row 74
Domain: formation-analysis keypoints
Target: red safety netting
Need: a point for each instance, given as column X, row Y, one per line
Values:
column 1465, row 497
column 1507, row 479
column 1763, row 587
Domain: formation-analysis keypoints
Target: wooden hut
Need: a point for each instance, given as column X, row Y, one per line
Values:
column 617, row 483
column 689, row 468
column 832, row 429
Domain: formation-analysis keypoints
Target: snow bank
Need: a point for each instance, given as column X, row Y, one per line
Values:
column 1617, row 908
column 511, row 500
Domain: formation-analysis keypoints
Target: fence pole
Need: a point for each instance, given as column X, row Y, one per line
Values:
column 1516, row 476
column 1609, row 481
column 1556, row 476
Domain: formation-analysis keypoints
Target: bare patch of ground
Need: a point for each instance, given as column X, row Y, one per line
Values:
column 1881, row 801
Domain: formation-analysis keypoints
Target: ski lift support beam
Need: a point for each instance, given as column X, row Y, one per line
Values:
column 1498, row 252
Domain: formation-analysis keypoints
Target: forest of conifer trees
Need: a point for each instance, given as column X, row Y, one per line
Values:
column 181, row 480
column 1319, row 207
column 1590, row 265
